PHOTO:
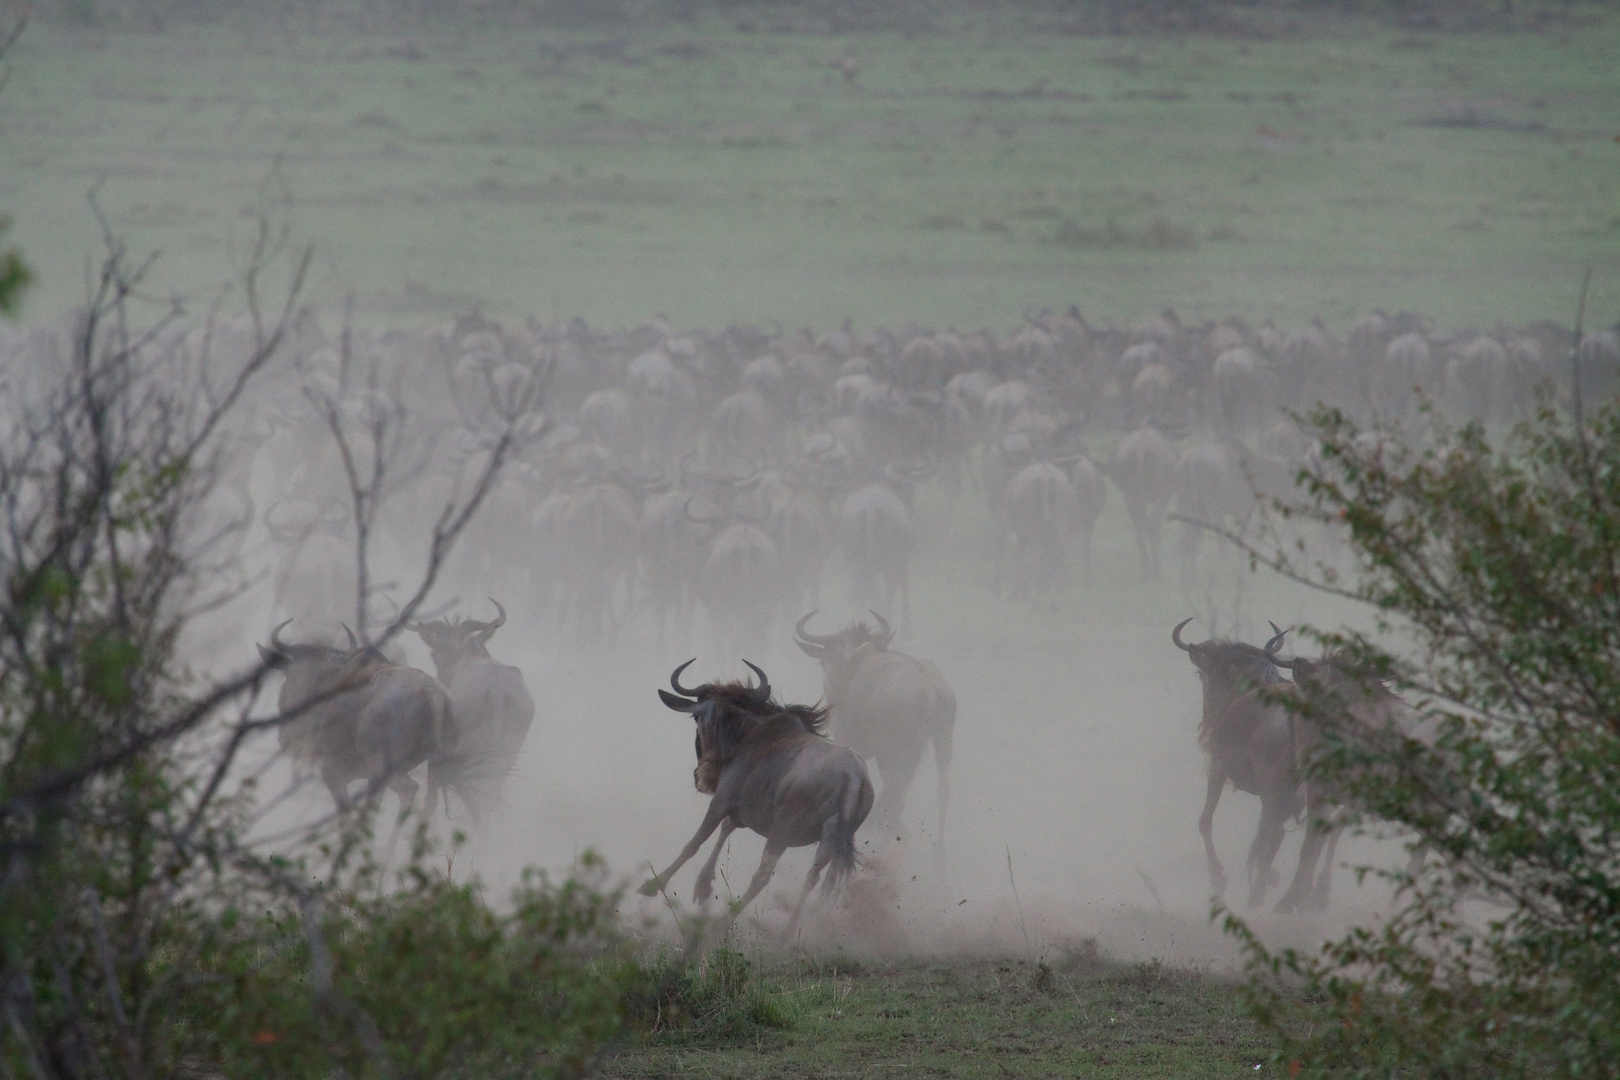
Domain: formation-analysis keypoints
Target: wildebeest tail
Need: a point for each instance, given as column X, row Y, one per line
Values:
column 475, row 779
column 855, row 802
column 473, row 774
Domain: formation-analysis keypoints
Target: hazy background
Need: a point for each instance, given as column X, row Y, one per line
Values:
column 950, row 165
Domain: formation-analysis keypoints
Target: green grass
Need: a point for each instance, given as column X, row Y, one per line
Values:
column 970, row 169
column 1070, row 1015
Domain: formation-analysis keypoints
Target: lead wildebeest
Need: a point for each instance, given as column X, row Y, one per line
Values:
column 1252, row 749
column 357, row 716
column 491, row 701
column 770, row 769
column 887, row 706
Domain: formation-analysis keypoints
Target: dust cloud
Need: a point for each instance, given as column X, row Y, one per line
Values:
column 1076, row 780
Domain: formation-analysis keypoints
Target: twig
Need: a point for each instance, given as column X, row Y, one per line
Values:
column 1018, row 903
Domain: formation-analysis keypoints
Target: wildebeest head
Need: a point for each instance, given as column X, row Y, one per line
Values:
column 284, row 655
column 317, row 677
column 453, row 640
column 1335, row 685
column 726, row 715
column 1230, row 664
column 842, row 652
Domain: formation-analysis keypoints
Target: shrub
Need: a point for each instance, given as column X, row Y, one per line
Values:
column 720, row 997
column 1500, row 566
column 143, row 932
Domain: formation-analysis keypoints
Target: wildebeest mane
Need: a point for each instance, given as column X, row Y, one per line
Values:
column 739, row 712
column 812, row 717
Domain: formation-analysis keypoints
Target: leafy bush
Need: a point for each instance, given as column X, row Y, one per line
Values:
column 143, row 930
column 1500, row 569
column 425, row 980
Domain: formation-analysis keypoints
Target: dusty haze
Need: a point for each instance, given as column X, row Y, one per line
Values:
column 1281, row 177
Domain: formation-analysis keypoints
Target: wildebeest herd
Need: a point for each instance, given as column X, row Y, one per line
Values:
column 696, row 487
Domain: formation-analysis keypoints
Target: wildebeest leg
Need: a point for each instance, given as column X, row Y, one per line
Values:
column 711, row 822
column 762, row 876
column 898, row 772
column 338, row 784
column 942, row 765
column 402, row 785
column 1317, row 833
column 824, row 855
column 1155, row 546
column 705, row 878
column 905, row 600
column 1191, row 539
column 1268, row 838
column 1324, row 884
column 1206, row 827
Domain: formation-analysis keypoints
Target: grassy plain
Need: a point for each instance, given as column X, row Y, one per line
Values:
column 725, row 169
column 967, row 1017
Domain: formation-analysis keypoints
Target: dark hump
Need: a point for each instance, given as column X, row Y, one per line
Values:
column 1249, row 659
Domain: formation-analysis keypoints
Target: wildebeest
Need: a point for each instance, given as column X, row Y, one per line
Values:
column 1042, row 512
column 1143, row 468
column 1253, row 749
column 741, row 578
column 491, row 701
column 1262, row 740
column 886, row 706
column 314, row 579
column 769, row 768
column 1212, row 491
column 356, row 716
column 1327, row 692
column 875, row 539
column 598, row 539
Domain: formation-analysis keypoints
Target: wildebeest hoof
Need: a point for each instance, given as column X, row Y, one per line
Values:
column 650, row 888
column 1287, row 905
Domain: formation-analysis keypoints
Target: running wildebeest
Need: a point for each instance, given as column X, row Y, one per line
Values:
column 491, row 701
column 1253, row 749
column 1327, row 692
column 887, row 706
column 357, row 716
column 769, row 768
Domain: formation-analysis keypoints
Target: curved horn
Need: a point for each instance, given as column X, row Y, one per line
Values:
column 354, row 642
column 763, row 690
column 887, row 631
column 500, row 620
column 1175, row 635
column 1275, row 629
column 1271, row 652
column 675, row 680
column 275, row 637
column 824, row 640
